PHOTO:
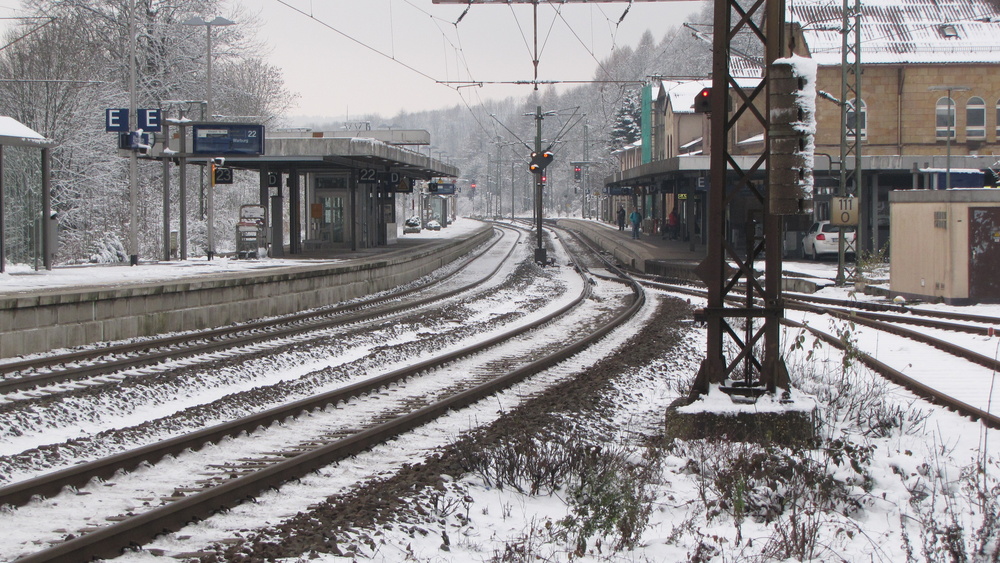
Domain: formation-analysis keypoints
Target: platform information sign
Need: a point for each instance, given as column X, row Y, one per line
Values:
column 440, row 186
column 228, row 138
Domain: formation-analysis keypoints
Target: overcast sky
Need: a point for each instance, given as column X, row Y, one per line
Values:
column 418, row 44
column 348, row 58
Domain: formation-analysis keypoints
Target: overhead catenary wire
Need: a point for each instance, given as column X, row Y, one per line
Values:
column 30, row 31
column 589, row 50
column 357, row 41
column 461, row 60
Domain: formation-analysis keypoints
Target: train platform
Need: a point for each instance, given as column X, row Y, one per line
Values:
column 78, row 305
column 22, row 280
column 651, row 253
column 661, row 256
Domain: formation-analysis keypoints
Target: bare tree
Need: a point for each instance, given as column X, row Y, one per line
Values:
column 62, row 78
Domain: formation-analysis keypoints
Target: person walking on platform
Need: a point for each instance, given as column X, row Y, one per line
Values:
column 621, row 217
column 673, row 221
column 635, row 218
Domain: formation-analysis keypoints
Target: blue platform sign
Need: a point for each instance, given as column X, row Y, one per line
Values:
column 116, row 120
column 149, row 120
column 441, row 188
column 227, row 138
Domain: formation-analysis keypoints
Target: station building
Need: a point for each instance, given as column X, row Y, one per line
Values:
column 914, row 129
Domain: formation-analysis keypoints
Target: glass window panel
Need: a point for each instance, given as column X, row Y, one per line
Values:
column 975, row 118
column 945, row 118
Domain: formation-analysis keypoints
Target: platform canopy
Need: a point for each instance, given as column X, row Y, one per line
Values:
column 14, row 133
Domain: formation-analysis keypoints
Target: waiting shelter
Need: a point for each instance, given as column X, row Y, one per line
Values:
column 340, row 186
column 15, row 133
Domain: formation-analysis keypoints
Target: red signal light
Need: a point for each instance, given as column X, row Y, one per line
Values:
column 703, row 101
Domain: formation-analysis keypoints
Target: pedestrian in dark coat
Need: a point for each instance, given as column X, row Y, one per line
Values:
column 621, row 218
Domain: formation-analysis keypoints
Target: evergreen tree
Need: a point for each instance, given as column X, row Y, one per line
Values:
column 626, row 128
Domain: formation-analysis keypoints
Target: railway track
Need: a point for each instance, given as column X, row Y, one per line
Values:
column 93, row 362
column 504, row 359
column 931, row 329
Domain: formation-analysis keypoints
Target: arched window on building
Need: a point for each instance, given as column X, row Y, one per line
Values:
column 945, row 120
column 998, row 119
column 857, row 119
column 975, row 119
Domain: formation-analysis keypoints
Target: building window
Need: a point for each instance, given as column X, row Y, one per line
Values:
column 857, row 119
column 945, row 122
column 975, row 119
column 998, row 118
column 948, row 31
column 941, row 219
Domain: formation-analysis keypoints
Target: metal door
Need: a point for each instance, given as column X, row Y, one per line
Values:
column 984, row 253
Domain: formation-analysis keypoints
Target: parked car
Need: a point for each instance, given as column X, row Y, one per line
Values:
column 824, row 239
column 433, row 225
column 411, row 225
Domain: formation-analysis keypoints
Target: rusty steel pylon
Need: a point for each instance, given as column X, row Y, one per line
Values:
column 744, row 338
column 744, row 309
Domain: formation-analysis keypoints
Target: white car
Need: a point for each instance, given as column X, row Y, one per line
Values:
column 412, row 225
column 824, row 239
column 433, row 225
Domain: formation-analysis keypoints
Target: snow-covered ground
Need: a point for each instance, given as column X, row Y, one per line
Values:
column 923, row 486
column 23, row 277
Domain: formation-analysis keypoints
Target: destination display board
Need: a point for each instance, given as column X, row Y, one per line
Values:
column 618, row 190
column 441, row 186
column 227, row 138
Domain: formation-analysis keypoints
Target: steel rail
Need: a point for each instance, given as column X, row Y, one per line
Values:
column 874, row 311
column 886, row 308
column 905, row 314
column 929, row 393
column 110, row 540
column 216, row 339
column 894, row 375
column 18, row 494
column 887, row 326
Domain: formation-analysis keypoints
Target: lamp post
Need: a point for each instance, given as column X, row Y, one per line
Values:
column 951, row 127
column 133, row 162
column 218, row 21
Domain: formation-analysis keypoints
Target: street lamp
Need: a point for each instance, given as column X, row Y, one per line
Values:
column 218, row 21
column 951, row 126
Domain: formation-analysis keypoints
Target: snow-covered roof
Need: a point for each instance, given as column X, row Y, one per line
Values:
column 15, row 133
column 683, row 92
column 903, row 31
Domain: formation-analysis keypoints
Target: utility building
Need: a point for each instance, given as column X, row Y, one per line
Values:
column 946, row 245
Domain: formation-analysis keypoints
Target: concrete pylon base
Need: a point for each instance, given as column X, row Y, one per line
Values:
column 769, row 420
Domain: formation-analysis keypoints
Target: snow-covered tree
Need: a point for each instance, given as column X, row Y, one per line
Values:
column 626, row 128
column 69, row 71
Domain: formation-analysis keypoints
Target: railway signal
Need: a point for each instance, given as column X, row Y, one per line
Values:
column 703, row 101
column 539, row 160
